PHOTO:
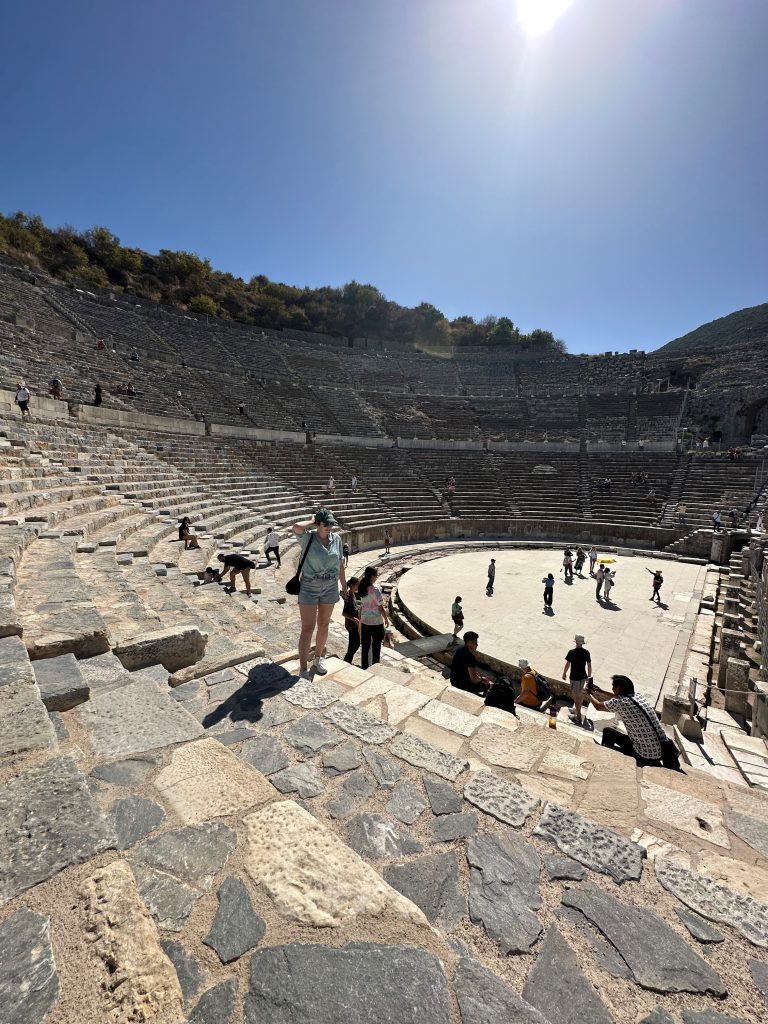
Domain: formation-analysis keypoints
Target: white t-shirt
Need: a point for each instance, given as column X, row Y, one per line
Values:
column 273, row 539
column 22, row 395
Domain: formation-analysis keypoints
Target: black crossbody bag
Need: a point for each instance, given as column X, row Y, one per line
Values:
column 670, row 757
column 293, row 586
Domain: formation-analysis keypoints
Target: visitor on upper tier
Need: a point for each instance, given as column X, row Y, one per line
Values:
column 465, row 670
column 97, row 395
column 644, row 734
column 101, row 345
column 241, row 408
column 185, row 534
column 22, row 399
column 55, row 388
column 354, row 483
column 331, row 486
column 238, row 565
column 322, row 570
column 272, row 546
column 134, row 356
column 373, row 615
column 528, row 696
column 716, row 520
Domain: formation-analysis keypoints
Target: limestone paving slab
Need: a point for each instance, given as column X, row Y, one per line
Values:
column 24, row 721
column 505, row 801
column 592, row 845
column 375, row 838
column 683, row 811
column 308, row 695
column 420, row 754
column 401, row 701
column 135, row 718
column 485, row 999
column 236, row 928
column 504, row 889
column 432, row 883
column 48, row 821
column 373, row 686
column 134, row 818
column 406, row 803
column 312, row 876
column 206, row 780
column 131, row 772
column 659, row 959
column 104, row 672
column 29, row 984
column 714, row 901
column 217, row 1005
column 451, row 718
column 360, row 982
column 359, row 723
column 62, row 686
column 495, row 744
column 141, row 983
column 558, row 988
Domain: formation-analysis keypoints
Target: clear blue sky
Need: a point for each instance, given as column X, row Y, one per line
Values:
column 605, row 181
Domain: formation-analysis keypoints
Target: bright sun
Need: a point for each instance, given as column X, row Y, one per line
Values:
column 538, row 16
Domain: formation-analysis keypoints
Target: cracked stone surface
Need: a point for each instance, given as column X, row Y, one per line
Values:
column 134, row 818
column 423, row 755
column 303, row 779
column 374, row 837
column 443, row 798
column 341, row 759
column 236, row 928
column 301, row 984
column 604, row 954
column 265, row 754
column 685, row 812
column 558, row 987
column 715, row 902
column 759, row 973
column 310, row 735
column 503, row 800
column 504, row 889
column 592, row 845
column 357, row 788
column 709, row 1017
column 563, row 869
column 52, row 807
column 432, row 883
column 751, row 830
column 308, row 695
column 29, row 984
column 448, row 827
column 485, row 999
column 659, row 959
column 311, row 875
column 384, row 769
column 406, row 803
column 359, row 723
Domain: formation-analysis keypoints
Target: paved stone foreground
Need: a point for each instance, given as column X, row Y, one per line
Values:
column 632, row 636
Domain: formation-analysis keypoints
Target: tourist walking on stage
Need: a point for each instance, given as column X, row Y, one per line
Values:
column 373, row 616
column 658, row 579
column 22, row 400
column 322, row 570
column 549, row 590
column 599, row 580
column 458, row 618
column 272, row 546
column 580, row 557
column 345, row 553
column 568, row 564
column 491, row 575
column 352, row 619
column 387, row 542
column 579, row 662
column 237, row 565
column 608, row 583
column 592, row 560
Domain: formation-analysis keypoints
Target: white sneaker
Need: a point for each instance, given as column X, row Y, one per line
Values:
column 320, row 666
column 306, row 675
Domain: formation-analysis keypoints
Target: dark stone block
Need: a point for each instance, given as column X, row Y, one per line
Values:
column 443, row 798
column 558, row 988
column 217, row 1005
column 432, row 883
column 61, row 684
column 374, row 838
column 485, row 999
column 406, row 803
column 454, row 826
column 563, row 869
column 134, row 818
column 266, row 754
column 131, row 773
column 504, row 889
column 29, row 984
column 189, row 972
column 699, row 928
column 237, row 927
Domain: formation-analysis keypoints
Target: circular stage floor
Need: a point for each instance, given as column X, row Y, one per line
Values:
column 631, row 635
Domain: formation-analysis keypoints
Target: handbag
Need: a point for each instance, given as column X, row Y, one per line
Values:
column 293, row 586
column 670, row 757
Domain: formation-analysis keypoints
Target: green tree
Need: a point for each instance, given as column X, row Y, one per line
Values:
column 503, row 332
column 203, row 304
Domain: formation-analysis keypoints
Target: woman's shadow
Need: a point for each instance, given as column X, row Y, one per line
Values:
column 246, row 703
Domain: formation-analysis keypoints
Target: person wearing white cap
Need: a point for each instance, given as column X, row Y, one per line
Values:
column 527, row 698
column 579, row 661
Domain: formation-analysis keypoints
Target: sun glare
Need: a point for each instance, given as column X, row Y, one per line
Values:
column 538, row 16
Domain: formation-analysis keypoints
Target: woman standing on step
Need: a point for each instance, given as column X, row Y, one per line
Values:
column 321, row 573
column 373, row 616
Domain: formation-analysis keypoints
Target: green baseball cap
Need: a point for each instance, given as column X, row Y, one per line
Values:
column 325, row 517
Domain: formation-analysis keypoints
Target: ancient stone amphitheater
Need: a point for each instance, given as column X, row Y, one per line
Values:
column 188, row 832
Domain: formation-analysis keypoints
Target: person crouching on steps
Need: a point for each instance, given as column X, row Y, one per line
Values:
column 321, row 574
column 373, row 615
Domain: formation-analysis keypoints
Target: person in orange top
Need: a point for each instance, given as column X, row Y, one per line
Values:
column 527, row 697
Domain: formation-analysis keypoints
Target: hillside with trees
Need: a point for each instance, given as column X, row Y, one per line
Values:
column 744, row 327
column 96, row 259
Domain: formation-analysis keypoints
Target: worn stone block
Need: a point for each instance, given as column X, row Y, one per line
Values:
column 422, row 755
column 29, row 984
column 592, row 845
column 503, row 800
column 236, row 928
column 173, row 648
column 432, row 883
column 504, row 890
column 62, row 687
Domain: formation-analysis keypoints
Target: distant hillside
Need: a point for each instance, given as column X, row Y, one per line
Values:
column 744, row 326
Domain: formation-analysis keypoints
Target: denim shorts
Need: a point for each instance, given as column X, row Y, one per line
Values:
column 319, row 591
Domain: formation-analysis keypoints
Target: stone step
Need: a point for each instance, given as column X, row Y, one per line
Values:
column 24, row 722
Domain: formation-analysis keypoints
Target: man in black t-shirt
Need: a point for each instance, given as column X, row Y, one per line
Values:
column 465, row 673
column 238, row 564
column 579, row 661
